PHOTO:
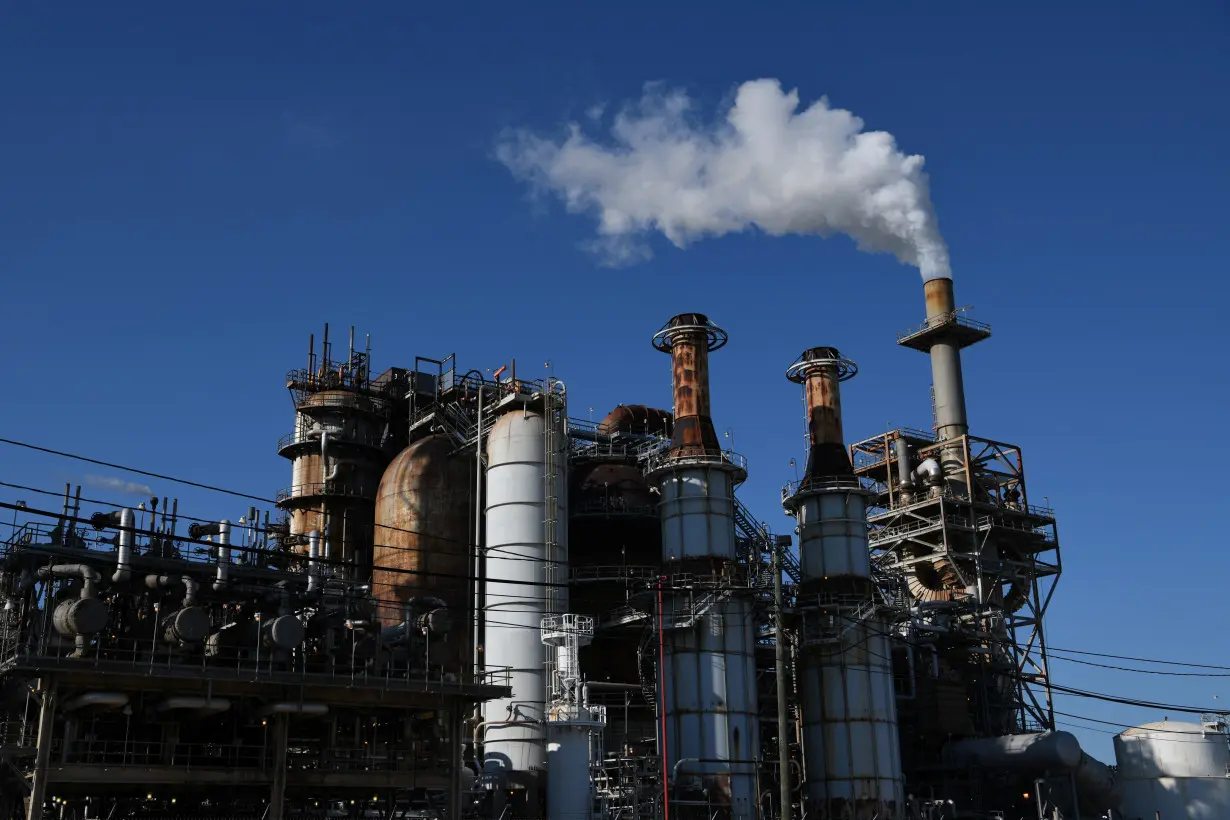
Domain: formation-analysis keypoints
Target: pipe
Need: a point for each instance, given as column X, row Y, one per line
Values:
column 123, row 570
column 905, row 476
column 292, row 708
column 111, row 700
column 191, row 586
column 224, row 555
column 198, row 703
column 930, row 470
column 89, row 576
column 482, row 726
column 1038, row 752
column 675, row 769
column 46, row 724
column 313, row 555
column 783, row 748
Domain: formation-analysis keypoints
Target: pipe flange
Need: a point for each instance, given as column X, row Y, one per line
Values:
column 821, row 357
column 689, row 323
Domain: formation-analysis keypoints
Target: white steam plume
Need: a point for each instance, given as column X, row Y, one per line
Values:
column 767, row 165
column 118, row 485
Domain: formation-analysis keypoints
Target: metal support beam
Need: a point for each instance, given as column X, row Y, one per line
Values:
column 455, row 718
column 46, row 722
column 277, row 792
column 783, row 748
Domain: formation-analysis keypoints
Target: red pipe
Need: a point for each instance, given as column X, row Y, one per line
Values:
column 666, row 806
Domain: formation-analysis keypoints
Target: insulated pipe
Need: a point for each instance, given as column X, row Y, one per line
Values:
column 190, row 585
column 950, row 419
column 88, row 575
column 111, row 700
column 293, row 708
column 224, row 555
column 689, row 338
column 929, row 470
column 905, row 475
column 123, row 560
column 313, row 555
column 197, row 703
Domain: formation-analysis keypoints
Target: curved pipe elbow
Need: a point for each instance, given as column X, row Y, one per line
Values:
column 88, row 575
column 930, row 471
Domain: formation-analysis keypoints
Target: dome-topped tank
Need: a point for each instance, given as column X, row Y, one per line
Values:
column 1174, row 768
column 423, row 511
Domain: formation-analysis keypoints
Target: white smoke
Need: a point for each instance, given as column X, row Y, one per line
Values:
column 118, row 485
column 767, row 165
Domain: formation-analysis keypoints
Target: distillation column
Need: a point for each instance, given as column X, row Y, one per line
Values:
column 708, row 667
column 526, row 496
column 850, row 743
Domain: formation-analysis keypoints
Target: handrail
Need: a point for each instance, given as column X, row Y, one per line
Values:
column 953, row 317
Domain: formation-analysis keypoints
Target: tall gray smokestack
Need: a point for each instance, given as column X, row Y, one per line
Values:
column 943, row 335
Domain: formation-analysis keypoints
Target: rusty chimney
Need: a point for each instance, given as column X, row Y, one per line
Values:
column 820, row 370
column 689, row 338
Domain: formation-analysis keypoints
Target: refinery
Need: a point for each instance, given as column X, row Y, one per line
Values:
column 469, row 603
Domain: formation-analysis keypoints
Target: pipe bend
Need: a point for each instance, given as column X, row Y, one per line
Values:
column 111, row 700
column 88, row 575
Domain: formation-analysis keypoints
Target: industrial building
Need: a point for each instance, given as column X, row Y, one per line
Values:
column 468, row 603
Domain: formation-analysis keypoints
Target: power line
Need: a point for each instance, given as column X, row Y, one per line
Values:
column 1053, row 656
column 1138, row 660
column 135, row 470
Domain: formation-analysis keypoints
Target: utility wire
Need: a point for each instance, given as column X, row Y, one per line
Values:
column 1139, row 660
column 1054, row 657
column 135, row 470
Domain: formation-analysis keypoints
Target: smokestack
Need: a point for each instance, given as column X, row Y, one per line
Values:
column 689, row 338
column 943, row 336
column 950, row 420
column 820, row 370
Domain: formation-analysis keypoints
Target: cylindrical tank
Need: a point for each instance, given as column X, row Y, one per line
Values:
column 712, row 729
column 697, row 510
column 1173, row 769
column 423, row 511
column 524, row 582
column 569, row 792
column 850, row 740
column 833, row 536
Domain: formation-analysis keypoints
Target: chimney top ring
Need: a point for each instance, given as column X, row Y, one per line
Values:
column 818, row 358
column 687, row 324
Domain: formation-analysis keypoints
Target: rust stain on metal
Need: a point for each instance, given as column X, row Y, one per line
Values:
column 637, row 418
column 939, row 297
column 827, row 454
column 423, row 510
column 693, row 432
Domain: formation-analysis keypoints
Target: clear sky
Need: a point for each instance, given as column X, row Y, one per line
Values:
column 188, row 190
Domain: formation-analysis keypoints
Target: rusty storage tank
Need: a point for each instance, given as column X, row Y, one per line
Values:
column 423, row 512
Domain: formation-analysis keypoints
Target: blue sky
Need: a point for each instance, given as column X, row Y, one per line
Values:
column 187, row 191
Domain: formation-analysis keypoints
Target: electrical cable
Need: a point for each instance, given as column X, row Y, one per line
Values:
column 1139, row 660
column 135, row 470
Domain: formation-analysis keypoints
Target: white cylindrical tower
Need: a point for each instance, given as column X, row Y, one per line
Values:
column 526, row 492
column 850, row 742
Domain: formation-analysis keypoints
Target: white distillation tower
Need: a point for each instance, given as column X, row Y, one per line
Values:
column 574, row 728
